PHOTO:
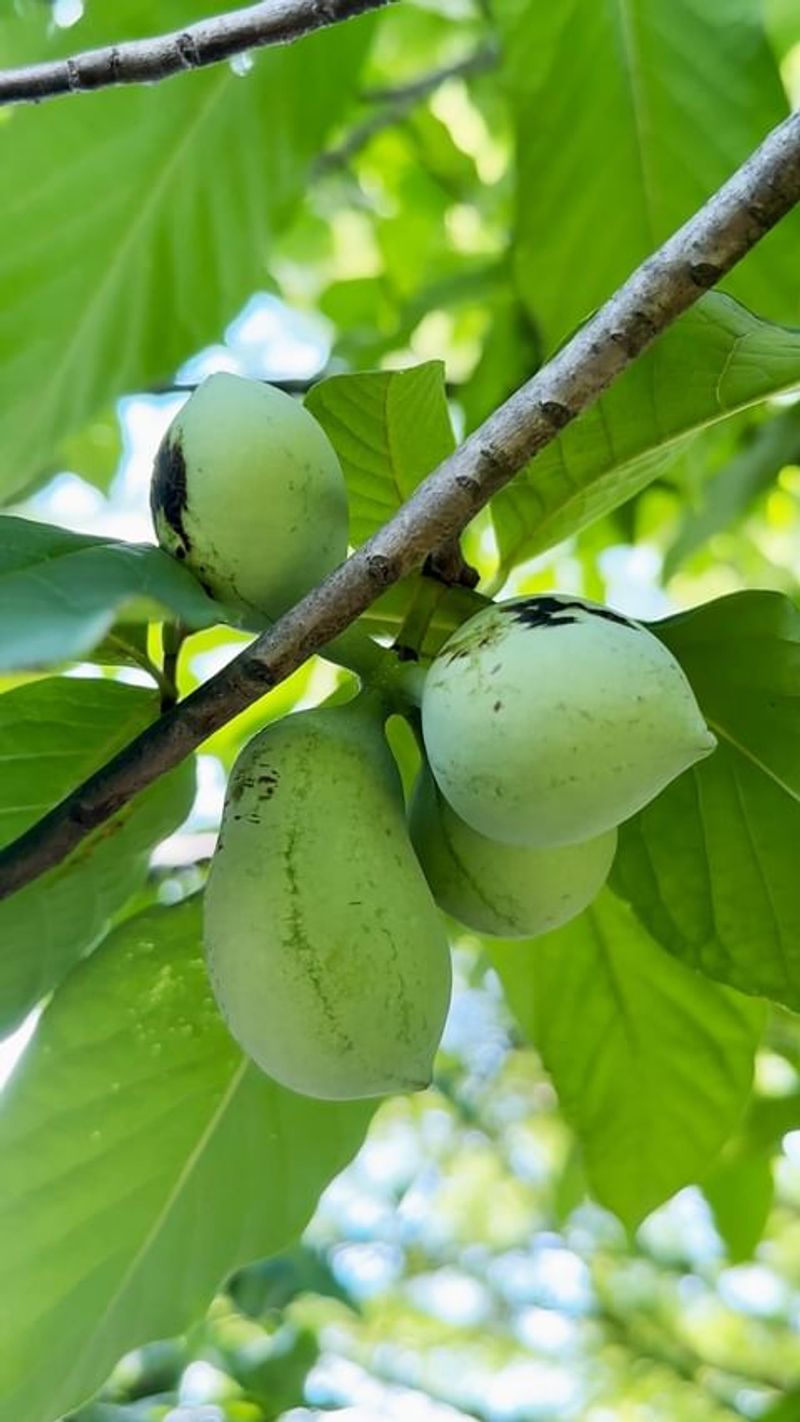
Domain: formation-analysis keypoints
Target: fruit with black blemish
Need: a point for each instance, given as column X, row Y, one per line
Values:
column 248, row 492
column 549, row 720
column 327, row 954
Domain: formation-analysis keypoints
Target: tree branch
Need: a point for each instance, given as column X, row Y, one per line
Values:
column 209, row 41
column 668, row 283
column 398, row 102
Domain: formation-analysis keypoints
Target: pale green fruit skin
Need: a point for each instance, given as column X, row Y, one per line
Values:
column 327, row 954
column 248, row 492
column 548, row 720
column 504, row 890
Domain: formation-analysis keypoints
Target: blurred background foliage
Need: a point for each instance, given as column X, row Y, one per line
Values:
column 449, row 182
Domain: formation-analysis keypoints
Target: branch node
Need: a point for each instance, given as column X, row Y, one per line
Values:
column 704, row 274
column 556, row 413
column 448, row 565
column 381, row 569
column 187, row 50
column 492, row 463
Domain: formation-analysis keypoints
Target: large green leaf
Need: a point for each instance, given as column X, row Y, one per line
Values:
column 389, row 428
column 136, row 221
column 144, row 1158
column 711, row 865
column 717, row 360
column 61, row 592
column 629, row 115
column 53, row 734
column 652, row 1063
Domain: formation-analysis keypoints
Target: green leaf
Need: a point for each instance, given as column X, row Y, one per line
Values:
column 629, row 116
column 94, row 452
column 61, row 592
column 53, row 734
column 783, row 24
column 718, row 359
column 652, row 1063
column 389, row 428
column 786, row 1409
column 733, row 489
column 710, row 866
column 273, row 1371
column 144, row 1158
column 125, row 645
column 270, row 1285
column 740, row 1191
column 106, row 284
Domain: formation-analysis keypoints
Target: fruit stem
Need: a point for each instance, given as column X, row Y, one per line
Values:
column 173, row 635
column 378, row 668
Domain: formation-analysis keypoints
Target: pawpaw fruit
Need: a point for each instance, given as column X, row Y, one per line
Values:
column 549, row 720
column 248, row 492
column 326, row 952
column 505, row 890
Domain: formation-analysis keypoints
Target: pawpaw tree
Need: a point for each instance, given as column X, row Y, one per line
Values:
column 399, row 710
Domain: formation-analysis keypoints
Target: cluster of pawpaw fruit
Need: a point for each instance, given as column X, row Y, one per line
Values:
column 545, row 723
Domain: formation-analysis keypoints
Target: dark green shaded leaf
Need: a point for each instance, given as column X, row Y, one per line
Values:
column 732, row 490
column 53, row 734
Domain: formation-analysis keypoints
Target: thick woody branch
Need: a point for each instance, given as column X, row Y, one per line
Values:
column 207, row 42
column 667, row 284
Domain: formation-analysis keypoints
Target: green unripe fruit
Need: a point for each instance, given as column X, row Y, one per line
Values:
column 505, row 890
column 248, row 492
column 327, row 954
column 548, row 720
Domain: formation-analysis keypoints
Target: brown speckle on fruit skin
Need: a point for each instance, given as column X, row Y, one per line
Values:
column 268, row 784
column 168, row 496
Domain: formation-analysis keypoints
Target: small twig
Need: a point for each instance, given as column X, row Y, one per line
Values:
column 210, row 41
column 397, row 102
column 173, row 636
column 479, row 62
column 667, row 284
column 449, row 566
column 140, row 658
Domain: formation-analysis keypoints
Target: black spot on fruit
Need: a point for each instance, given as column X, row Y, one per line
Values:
column 238, row 787
column 555, row 612
column 168, row 490
column 268, row 783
